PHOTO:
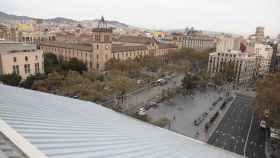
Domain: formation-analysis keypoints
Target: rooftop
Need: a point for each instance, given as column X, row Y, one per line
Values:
column 11, row 47
column 47, row 126
column 136, row 39
column 78, row 46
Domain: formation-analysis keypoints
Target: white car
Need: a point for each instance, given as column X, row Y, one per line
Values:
column 141, row 111
column 263, row 124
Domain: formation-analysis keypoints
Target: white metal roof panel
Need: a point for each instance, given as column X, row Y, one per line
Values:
column 61, row 127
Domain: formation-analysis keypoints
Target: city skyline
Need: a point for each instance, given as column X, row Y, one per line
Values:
column 153, row 15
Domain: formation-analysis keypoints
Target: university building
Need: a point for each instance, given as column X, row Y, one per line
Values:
column 103, row 48
column 194, row 40
column 19, row 58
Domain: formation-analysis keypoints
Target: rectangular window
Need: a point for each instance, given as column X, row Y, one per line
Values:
column 37, row 68
column 15, row 59
column 27, row 68
column 97, row 37
column 16, row 69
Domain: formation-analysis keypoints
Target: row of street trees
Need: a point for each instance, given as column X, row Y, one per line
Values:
column 267, row 101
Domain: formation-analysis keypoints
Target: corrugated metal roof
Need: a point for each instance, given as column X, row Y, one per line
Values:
column 61, row 127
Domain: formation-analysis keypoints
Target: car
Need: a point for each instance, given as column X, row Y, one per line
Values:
column 152, row 104
column 263, row 124
column 205, row 114
column 140, row 82
column 154, row 84
column 198, row 121
column 161, row 81
column 141, row 111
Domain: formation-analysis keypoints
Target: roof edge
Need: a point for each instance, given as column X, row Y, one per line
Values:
column 23, row 145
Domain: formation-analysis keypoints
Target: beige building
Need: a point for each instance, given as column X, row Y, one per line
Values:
column 103, row 48
column 194, row 41
column 227, row 43
column 19, row 58
column 263, row 54
column 7, row 33
column 244, row 64
column 36, row 37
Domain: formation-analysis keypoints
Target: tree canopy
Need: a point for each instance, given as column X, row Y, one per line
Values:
column 267, row 101
column 10, row 79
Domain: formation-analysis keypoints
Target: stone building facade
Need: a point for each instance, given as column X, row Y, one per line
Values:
column 263, row 54
column 193, row 41
column 244, row 64
column 36, row 37
column 22, row 59
column 103, row 48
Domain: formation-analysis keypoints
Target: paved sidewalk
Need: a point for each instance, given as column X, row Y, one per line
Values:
column 184, row 110
column 206, row 135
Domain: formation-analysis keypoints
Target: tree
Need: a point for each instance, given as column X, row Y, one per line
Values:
column 218, row 79
column 10, row 79
column 229, row 72
column 189, row 82
column 122, row 85
column 75, row 65
column 267, row 102
column 203, row 79
column 50, row 63
column 52, row 83
column 129, row 67
column 29, row 81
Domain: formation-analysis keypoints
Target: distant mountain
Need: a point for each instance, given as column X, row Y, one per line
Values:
column 60, row 20
column 116, row 24
column 14, row 19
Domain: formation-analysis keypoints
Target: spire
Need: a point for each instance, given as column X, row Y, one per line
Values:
column 102, row 24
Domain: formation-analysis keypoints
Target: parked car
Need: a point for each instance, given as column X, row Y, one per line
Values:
column 140, row 82
column 141, row 111
column 161, row 81
column 154, row 84
column 198, row 121
column 205, row 114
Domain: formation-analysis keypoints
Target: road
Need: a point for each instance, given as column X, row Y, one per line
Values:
column 239, row 130
column 186, row 110
column 137, row 100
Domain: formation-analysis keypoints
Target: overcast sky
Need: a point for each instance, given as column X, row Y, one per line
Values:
column 235, row 16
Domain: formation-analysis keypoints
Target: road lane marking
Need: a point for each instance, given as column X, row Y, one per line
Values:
column 245, row 146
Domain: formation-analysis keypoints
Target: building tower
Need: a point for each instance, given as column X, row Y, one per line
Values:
column 259, row 34
column 102, row 45
column 275, row 60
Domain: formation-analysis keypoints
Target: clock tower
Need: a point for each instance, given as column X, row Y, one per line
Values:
column 102, row 45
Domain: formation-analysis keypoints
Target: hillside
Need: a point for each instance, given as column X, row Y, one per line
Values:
column 14, row 19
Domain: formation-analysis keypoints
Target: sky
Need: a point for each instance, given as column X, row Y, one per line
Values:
column 231, row 16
